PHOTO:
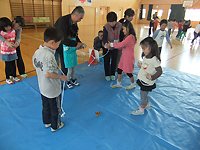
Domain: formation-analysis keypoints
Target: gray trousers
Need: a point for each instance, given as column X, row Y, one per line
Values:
column 71, row 73
column 143, row 95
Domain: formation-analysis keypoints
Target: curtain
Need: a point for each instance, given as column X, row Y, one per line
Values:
column 177, row 12
column 150, row 12
column 141, row 10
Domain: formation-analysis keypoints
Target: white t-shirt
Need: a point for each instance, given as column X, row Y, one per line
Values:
column 160, row 37
column 148, row 66
column 44, row 61
column 197, row 29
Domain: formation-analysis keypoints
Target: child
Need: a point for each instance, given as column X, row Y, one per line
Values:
column 8, row 54
column 155, row 24
column 128, row 59
column 186, row 26
column 160, row 34
column 150, row 70
column 196, row 32
column 48, row 78
column 180, row 27
column 170, row 27
column 112, row 32
column 98, row 41
column 174, row 25
column 70, row 57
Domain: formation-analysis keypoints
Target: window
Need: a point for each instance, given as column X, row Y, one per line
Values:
column 192, row 14
column 143, row 13
column 160, row 13
column 169, row 12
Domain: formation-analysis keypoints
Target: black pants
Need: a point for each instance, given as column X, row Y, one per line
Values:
column 51, row 111
column 150, row 27
column 110, row 60
column 195, row 36
column 10, row 69
column 20, row 63
column 59, row 52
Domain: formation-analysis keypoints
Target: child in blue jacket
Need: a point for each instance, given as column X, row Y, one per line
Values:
column 70, row 58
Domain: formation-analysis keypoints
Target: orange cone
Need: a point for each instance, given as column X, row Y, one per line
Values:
column 92, row 60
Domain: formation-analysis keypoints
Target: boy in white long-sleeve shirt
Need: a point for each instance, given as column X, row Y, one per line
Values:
column 160, row 34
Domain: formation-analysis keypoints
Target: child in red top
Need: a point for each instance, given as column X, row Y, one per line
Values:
column 180, row 28
column 155, row 24
column 128, row 58
column 8, row 54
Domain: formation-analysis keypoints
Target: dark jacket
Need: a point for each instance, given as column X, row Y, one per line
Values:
column 63, row 24
column 97, row 43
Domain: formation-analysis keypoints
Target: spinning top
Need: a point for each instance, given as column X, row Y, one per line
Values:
column 97, row 113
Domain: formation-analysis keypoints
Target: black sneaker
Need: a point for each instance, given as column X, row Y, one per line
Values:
column 75, row 83
column 69, row 85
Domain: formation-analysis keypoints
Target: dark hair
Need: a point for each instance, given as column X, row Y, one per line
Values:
column 174, row 19
column 52, row 33
column 129, row 26
column 111, row 17
column 100, row 32
column 20, row 20
column 129, row 12
column 73, row 31
column 164, row 21
column 78, row 10
column 152, row 44
column 4, row 22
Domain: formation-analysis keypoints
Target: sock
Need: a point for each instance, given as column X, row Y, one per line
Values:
column 141, row 109
column 118, row 82
column 132, row 83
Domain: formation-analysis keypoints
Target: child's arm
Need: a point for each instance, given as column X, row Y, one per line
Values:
column 156, row 75
column 129, row 40
column 55, row 76
column 2, row 39
column 168, row 40
column 155, row 34
column 139, row 64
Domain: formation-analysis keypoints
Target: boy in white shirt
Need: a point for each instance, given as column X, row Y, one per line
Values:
column 160, row 34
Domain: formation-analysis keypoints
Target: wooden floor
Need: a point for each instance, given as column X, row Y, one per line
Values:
column 182, row 57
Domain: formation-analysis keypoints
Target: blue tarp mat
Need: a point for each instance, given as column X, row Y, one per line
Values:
column 172, row 123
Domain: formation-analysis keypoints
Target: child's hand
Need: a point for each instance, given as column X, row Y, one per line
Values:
column 107, row 44
column 10, row 44
column 148, row 76
column 79, row 45
column 64, row 78
column 171, row 46
column 16, row 45
column 139, row 64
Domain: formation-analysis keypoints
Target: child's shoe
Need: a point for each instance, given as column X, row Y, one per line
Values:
column 61, row 125
column 118, row 85
column 24, row 75
column 47, row 125
column 75, row 83
column 107, row 78
column 69, row 85
column 16, row 79
column 113, row 78
column 131, row 86
column 138, row 112
column 148, row 107
column 9, row 81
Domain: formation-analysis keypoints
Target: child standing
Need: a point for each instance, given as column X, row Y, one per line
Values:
column 49, row 79
column 112, row 32
column 8, row 54
column 170, row 27
column 186, row 26
column 174, row 25
column 196, row 32
column 180, row 28
column 128, row 58
column 70, row 57
column 150, row 70
column 160, row 34
column 155, row 24
column 98, row 41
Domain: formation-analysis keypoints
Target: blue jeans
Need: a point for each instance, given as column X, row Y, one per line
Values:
column 179, row 33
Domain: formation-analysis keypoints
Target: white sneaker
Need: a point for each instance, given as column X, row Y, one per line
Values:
column 47, row 125
column 138, row 112
column 118, row 85
column 9, row 81
column 61, row 125
column 131, row 86
column 16, row 79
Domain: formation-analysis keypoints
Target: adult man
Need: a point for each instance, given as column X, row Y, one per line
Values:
column 63, row 24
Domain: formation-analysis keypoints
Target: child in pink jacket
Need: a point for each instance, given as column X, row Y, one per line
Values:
column 127, row 59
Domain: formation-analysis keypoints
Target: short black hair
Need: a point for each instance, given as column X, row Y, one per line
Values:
column 129, row 12
column 163, row 21
column 20, row 20
column 100, row 32
column 78, row 10
column 4, row 22
column 52, row 33
column 111, row 17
